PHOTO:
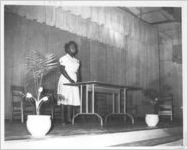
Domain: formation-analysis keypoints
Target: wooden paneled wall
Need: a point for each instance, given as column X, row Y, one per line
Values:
column 170, row 71
column 136, row 65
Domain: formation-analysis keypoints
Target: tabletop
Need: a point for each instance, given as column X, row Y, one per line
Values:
column 99, row 83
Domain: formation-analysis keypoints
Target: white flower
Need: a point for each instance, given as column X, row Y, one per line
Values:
column 29, row 95
column 44, row 98
column 58, row 103
column 40, row 89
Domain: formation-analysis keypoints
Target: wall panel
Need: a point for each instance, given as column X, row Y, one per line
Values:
column 135, row 65
column 171, row 74
column 84, row 56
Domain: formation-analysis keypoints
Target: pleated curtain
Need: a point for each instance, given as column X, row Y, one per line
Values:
column 108, row 25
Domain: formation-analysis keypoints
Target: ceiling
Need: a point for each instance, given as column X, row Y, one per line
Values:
column 167, row 19
column 155, row 15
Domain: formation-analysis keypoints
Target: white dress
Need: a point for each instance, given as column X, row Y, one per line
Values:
column 69, row 94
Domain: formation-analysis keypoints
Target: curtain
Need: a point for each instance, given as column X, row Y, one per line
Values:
column 103, row 24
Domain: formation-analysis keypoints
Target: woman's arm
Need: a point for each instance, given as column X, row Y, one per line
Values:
column 63, row 71
column 79, row 74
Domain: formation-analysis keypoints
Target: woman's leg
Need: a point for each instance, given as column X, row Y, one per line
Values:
column 69, row 113
column 62, row 113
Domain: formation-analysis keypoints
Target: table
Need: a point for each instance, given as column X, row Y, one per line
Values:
column 101, row 87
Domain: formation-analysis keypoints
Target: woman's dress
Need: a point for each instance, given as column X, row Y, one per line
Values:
column 68, row 95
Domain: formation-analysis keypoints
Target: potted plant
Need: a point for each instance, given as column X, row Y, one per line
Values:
column 152, row 97
column 37, row 67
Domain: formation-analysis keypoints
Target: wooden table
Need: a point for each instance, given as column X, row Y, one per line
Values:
column 100, row 87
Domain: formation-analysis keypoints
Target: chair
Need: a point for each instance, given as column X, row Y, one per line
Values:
column 20, row 107
column 17, row 103
column 166, row 107
column 57, row 112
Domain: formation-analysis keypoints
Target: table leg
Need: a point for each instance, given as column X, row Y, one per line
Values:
column 81, row 92
column 113, row 103
column 119, row 102
column 93, row 98
column 22, row 112
column 95, row 114
column 87, row 98
column 113, row 108
column 125, row 111
column 81, row 96
column 124, row 100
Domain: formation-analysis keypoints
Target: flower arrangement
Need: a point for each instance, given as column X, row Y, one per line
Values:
column 38, row 66
column 152, row 97
column 38, row 100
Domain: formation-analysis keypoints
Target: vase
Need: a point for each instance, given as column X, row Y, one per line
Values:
column 152, row 120
column 38, row 125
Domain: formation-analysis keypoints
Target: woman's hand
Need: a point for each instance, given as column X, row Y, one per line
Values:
column 72, row 81
column 63, row 71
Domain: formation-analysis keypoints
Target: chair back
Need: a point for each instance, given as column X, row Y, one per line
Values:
column 17, row 102
column 166, row 106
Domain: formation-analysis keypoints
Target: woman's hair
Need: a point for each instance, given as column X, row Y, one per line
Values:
column 67, row 46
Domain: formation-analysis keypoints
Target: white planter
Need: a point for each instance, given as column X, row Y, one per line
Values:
column 38, row 125
column 151, row 120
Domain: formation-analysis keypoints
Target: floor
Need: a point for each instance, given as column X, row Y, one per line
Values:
column 173, row 143
column 162, row 141
column 17, row 131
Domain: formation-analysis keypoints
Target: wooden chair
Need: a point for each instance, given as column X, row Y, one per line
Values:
column 57, row 112
column 166, row 107
column 17, row 103
column 20, row 107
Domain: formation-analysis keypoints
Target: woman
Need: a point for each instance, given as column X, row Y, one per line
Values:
column 68, row 95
